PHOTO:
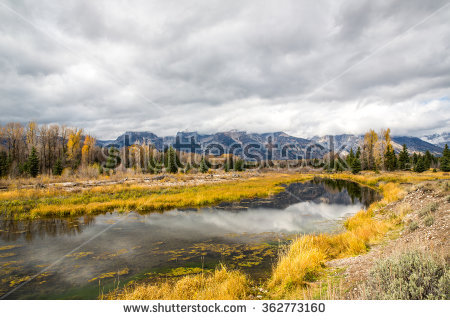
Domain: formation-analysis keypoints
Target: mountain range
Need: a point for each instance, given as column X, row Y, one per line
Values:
column 439, row 139
column 273, row 145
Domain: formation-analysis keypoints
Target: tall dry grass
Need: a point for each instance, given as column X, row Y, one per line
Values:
column 301, row 268
column 222, row 284
column 36, row 203
column 304, row 261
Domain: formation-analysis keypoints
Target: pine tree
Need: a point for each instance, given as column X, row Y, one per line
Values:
column 154, row 165
column 403, row 158
column 172, row 165
column 356, row 166
column 445, row 159
column 58, row 168
column 415, row 158
column 3, row 164
column 339, row 164
column 229, row 163
column 203, row 166
column 428, row 158
column 350, row 158
column 187, row 168
column 151, row 165
column 33, row 163
column 239, row 165
column 390, row 159
column 358, row 153
column 112, row 160
column 420, row 165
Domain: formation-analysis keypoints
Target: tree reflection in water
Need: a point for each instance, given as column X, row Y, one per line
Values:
column 12, row 230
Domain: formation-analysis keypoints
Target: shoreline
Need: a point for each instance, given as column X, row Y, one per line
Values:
column 311, row 263
column 303, row 268
column 173, row 191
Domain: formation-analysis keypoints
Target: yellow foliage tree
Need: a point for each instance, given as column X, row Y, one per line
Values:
column 370, row 140
column 74, row 145
column 32, row 134
column 86, row 151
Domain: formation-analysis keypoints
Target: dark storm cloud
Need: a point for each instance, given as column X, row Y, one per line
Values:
column 164, row 66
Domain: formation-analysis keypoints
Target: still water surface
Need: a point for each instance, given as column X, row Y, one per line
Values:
column 78, row 258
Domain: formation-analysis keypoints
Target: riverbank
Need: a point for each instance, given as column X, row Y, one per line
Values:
column 156, row 193
column 306, row 268
column 426, row 229
column 140, row 194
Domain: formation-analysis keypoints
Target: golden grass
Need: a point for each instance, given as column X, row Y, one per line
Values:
column 372, row 179
column 222, row 284
column 32, row 203
column 304, row 260
column 302, row 263
column 52, row 201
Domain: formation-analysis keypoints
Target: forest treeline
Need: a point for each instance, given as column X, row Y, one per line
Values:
column 32, row 149
column 377, row 153
column 55, row 149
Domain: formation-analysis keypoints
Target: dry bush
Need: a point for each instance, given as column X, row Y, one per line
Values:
column 414, row 275
column 89, row 172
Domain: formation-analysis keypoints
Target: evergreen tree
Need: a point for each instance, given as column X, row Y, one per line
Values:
column 187, row 168
column 316, row 163
column 428, row 158
column 33, row 163
column 3, row 164
column 420, row 165
column 331, row 158
column 172, row 160
column 239, row 165
column 203, row 166
column 24, row 167
column 356, row 166
column 339, row 164
column 113, row 159
column 358, row 153
column 445, row 159
column 390, row 159
column 151, row 165
column 415, row 158
column 58, row 168
column 154, row 165
column 350, row 158
column 229, row 163
column 403, row 158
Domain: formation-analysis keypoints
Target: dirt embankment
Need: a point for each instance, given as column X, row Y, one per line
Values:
column 426, row 227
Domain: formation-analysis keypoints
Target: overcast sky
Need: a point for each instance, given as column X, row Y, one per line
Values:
column 303, row 67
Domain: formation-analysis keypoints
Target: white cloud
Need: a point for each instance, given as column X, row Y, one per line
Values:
column 164, row 66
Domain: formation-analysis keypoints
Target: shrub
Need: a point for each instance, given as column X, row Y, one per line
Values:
column 413, row 226
column 429, row 220
column 411, row 276
column 430, row 208
column 434, row 206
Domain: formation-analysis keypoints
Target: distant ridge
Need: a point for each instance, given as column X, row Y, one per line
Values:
column 279, row 145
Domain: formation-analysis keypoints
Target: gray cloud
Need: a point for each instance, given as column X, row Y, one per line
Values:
column 164, row 66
